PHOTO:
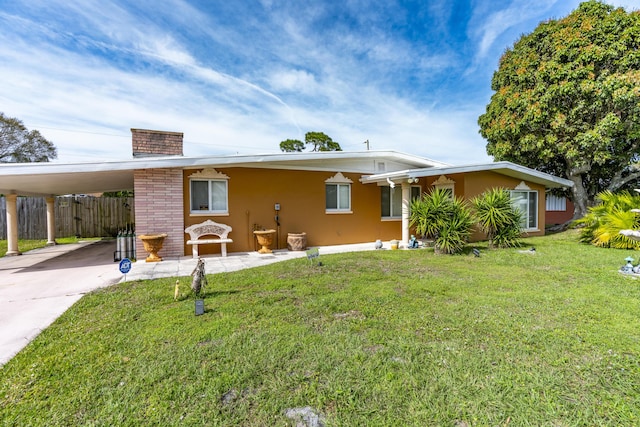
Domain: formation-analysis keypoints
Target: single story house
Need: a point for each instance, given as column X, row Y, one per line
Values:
column 334, row 197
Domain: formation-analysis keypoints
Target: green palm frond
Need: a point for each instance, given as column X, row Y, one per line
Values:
column 448, row 220
column 497, row 217
column 603, row 223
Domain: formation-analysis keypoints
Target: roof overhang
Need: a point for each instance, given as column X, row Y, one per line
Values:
column 43, row 179
column 504, row 168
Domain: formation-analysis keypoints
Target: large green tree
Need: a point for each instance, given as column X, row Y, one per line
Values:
column 567, row 101
column 19, row 145
column 318, row 141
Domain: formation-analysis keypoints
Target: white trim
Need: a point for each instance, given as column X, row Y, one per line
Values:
column 504, row 168
column 208, row 173
column 338, row 178
column 337, row 212
column 200, row 213
column 81, row 178
column 338, row 184
column 526, row 211
column 209, row 211
column 443, row 181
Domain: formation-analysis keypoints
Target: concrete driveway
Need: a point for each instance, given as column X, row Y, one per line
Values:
column 40, row 285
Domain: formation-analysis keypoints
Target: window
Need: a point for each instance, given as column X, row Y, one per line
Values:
column 209, row 192
column 527, row 202
column 338, row 197
column 338, row 194
column 446, row 184
column 391, row 200
column 556, row 203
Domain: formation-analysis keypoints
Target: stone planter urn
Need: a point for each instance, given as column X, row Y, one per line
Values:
column 297, row 241
column 152, row 244
column 265, row 239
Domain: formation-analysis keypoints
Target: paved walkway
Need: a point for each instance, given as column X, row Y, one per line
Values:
column 40, row 285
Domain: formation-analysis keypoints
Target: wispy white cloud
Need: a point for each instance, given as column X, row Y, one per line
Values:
column 241, row 78
column 491, row 24
column 300, row 81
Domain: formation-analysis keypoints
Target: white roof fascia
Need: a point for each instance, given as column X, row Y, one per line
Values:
column 273, row 160
column 65, row 178
column 503, row 167
column 343, row 160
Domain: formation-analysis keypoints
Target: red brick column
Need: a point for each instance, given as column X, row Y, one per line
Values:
column 158, row 209
column 146, row 143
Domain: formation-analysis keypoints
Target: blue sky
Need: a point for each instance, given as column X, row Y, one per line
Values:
column 241, row 76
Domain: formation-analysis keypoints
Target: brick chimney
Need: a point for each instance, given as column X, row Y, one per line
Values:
column 155, row 143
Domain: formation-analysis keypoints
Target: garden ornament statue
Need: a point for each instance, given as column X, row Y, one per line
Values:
column 628, row 268
column 199, row 278
column 197, row 286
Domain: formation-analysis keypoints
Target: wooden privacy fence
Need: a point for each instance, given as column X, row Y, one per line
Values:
column 82, row 216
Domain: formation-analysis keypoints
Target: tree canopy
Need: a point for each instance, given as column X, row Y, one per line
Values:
column 291, row 145
column 567, row 101
column 317, row 140
column 19, row 145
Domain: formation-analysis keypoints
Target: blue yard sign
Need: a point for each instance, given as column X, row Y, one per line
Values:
column 125, row 266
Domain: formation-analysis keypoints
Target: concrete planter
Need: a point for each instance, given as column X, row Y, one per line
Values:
column 152, row 244
column 297, row 241
column 265, row 240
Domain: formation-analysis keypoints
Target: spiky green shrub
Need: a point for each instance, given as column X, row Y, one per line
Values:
column 498, row 218
column 446, row 219
column 429, row 211
column 602, row 224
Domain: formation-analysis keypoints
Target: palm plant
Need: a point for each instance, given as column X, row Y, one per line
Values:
column 429, row 211
column 455, row 231
column 444, row 218
column 498, row 218
column 602, row 224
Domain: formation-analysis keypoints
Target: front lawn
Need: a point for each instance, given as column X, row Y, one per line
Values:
column 384, row 338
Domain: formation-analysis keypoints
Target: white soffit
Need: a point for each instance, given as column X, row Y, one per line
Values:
column 504, row 168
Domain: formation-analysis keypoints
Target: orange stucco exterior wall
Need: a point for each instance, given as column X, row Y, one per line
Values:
column 508, row 183
column 472, row 184
column 301, row 195
column 253, row 193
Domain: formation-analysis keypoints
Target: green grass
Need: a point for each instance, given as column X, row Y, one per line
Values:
column 385, row 338
column 28, row 245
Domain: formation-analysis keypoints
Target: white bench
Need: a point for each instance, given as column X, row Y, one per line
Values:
column 208, row 228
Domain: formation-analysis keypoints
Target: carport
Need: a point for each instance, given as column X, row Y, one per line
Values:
column 49, row 180
column 152, row 150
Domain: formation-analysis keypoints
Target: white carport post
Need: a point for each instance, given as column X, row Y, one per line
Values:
column 51, row 221
column 406, row 203
column 12, row 224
